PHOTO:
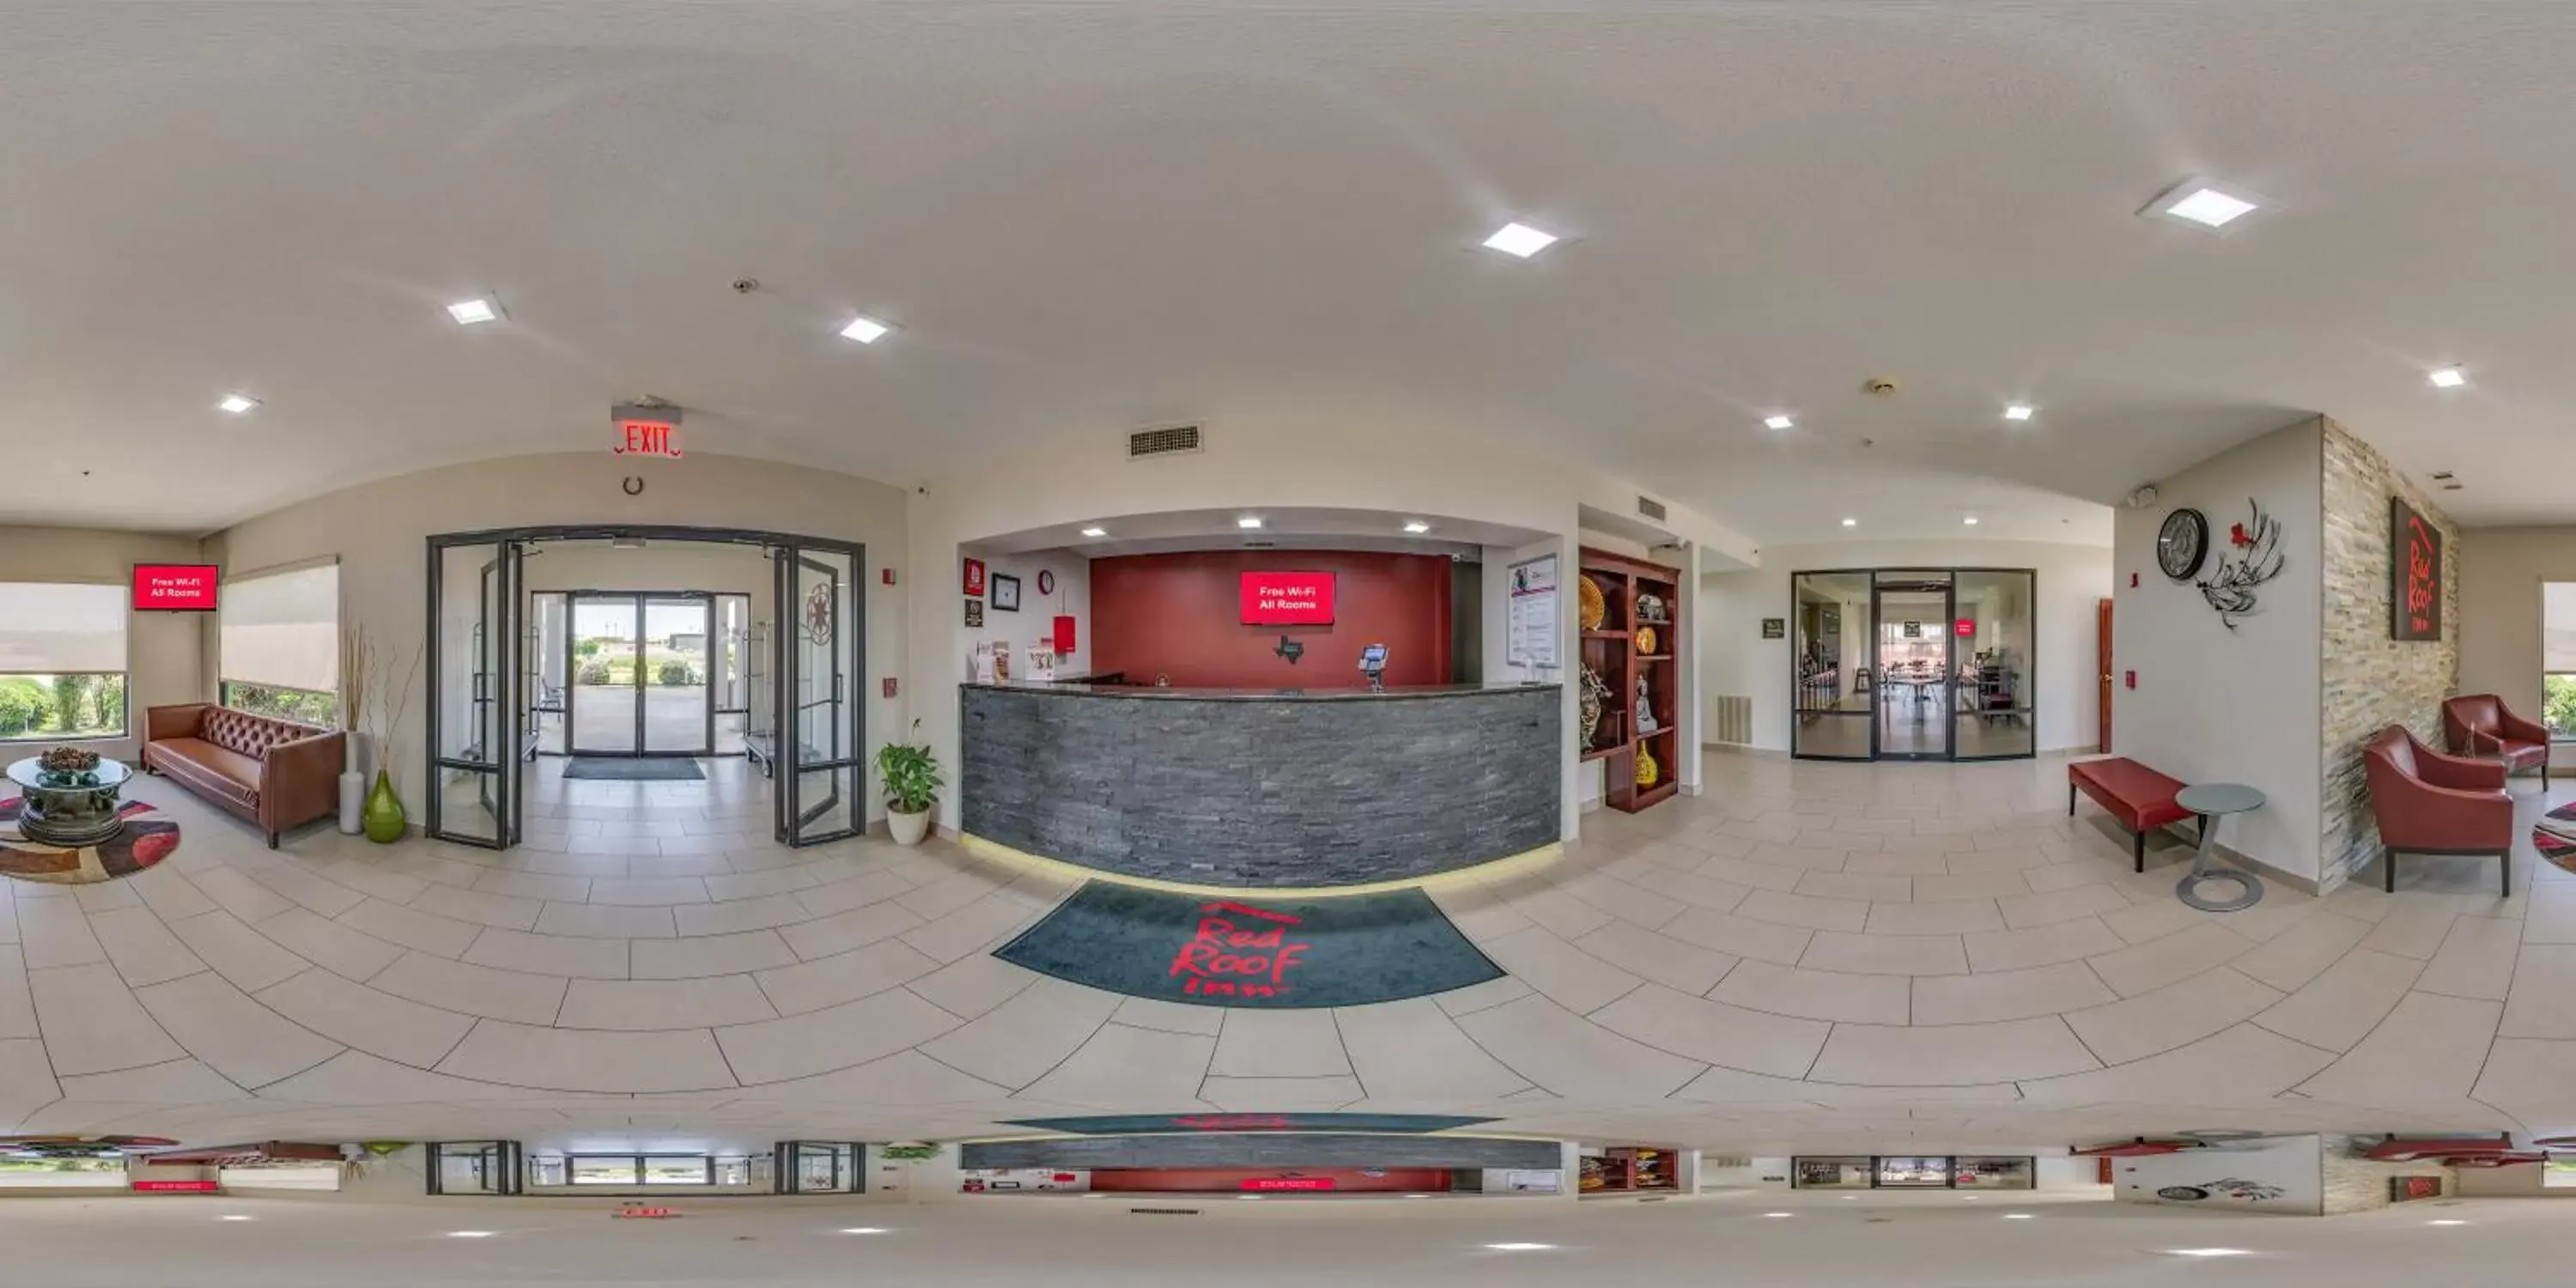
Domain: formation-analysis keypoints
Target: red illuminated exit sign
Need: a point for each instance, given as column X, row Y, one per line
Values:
column 645, row 430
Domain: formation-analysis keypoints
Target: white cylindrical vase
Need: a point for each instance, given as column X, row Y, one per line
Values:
column 353, row 784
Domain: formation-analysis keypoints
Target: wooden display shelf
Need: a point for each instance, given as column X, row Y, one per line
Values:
column 1610, row 651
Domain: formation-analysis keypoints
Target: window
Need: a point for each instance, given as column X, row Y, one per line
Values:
column 62, row 661
column 2559, row 1172
column 278, row 644
column 2558, row 657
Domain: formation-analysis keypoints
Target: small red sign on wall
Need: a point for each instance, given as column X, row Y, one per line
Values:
column 1288, row 1182
column 647, row 438
column 188, row 588
column 974, row 579
column 1967, row 627
column 173, row 1187
column 1287, row 599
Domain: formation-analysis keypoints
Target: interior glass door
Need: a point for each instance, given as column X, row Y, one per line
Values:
column 605, row 698
column 1997, row 641
column 820, row 624
column 729, row 671
column 474, row 717
column 1918, row 681
column 674, row 652
column 549, row 670
column 1834, row 683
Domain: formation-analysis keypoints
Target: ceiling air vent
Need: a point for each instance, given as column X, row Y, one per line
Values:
column 1163, row 442
column 1650, row 507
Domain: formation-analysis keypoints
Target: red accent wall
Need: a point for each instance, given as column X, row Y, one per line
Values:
column 1179, row 614
column 1229, row 1180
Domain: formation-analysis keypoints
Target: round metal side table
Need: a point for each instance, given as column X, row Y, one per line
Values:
column 2212, row 802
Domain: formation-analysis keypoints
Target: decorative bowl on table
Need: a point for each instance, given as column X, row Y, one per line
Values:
column 69, row 767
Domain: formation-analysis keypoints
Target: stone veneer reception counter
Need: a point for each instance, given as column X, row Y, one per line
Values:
column 1265, row 789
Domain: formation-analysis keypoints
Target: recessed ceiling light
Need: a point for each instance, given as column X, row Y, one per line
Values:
column 2199, row 203
column 1522, row 1247
column 2208, row 1252
column 2018, row 411
column 865, row 1229
column 2017, row 1216
column 865, row 330
column 1248, row 521
column 1095, row 532
column 1251, row 1198
column 235, row 1216
column 1777, row 1215
column 1971, row 521
column 237, row 403
column 1417, row 527
column 1781, row 421
column 2447, row 377
column 2448, row 1220
column 469, row 1234
column 1519, row 240
column 471, row 312
column 1851, row 523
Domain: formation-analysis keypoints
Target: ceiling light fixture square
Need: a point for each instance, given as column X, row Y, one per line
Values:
column 1851, row 523
column 1095, row 532
column 474, row 312
column 1971, row 521
column 1520, row 241
column 2019, row 411
column 865, row 330
column 1417, row 527
column 237, row 403
column 2207, row 205
column 2447, row 377
column 1248, row 522
column 1780, row 421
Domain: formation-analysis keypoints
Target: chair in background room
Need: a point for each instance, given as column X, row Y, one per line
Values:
column 2479, row 725
column 2429, row 803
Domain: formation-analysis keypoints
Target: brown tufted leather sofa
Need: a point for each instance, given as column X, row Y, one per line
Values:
column 275, row 773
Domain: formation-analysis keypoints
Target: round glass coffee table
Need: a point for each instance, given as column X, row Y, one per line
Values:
column 72, row 812
column 2212, row 802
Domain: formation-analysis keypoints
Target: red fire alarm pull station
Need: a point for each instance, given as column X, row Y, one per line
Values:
column 2133, row 679
column 889, row 576
column 889, row 686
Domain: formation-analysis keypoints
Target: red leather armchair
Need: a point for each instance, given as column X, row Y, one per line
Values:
column 2429, row 803
column 2479, row 725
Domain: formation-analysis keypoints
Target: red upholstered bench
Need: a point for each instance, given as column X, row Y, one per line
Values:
column 2139, row 797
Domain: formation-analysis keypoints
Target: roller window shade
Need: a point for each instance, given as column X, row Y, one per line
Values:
column 50, row 628
column 282, row 630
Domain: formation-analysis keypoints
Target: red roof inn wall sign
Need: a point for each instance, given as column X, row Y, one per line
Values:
column 2414, row 574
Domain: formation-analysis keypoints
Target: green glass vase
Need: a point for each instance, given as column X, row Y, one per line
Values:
column 384, row 814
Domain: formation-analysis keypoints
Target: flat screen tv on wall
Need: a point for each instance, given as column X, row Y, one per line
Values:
column 1287, row 598
column 175, row 588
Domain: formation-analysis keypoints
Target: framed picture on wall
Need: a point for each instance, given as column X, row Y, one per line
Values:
column 974, row 612
column 1006, row 593
column 2414, row 574
column 975, row 578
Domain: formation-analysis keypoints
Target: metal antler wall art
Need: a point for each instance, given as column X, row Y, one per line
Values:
column 2253, row 556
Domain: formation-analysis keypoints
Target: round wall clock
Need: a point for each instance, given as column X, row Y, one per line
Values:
column 1046, row 582
column 2183, row 545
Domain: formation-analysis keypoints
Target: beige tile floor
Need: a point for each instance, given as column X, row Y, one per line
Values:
column 1808, row 956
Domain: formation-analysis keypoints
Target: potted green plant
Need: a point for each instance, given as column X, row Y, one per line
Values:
column 911, row 778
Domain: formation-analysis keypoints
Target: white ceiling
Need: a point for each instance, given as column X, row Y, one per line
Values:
column 1094, row 215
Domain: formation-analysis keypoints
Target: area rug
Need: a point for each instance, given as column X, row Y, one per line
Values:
column 1286, row 953
column 635, row 769
column 2557, row 849
column 149, row 837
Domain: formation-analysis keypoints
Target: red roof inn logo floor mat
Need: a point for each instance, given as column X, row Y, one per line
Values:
column 1347, row 950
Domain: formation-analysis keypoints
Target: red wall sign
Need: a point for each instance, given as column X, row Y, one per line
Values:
column 974, row 579
column 1288, row 1182
column 183, row 588
column 1287, row 598
column 1967, row 627
column 2414, row 574
column 647, row 438
column 173, row 1187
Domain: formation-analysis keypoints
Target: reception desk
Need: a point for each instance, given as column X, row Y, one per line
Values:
column 1262, row 788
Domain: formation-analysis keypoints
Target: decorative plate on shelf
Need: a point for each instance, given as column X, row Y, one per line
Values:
column 1646, row 639
column 1595, row 607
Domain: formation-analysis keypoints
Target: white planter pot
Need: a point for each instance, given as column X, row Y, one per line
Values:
column 908, row 829
column 353, row 803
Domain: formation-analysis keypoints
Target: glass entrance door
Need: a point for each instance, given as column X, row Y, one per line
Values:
column 606, row 701
column 675, row 652
column 1918, row 682
column 820, row 624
